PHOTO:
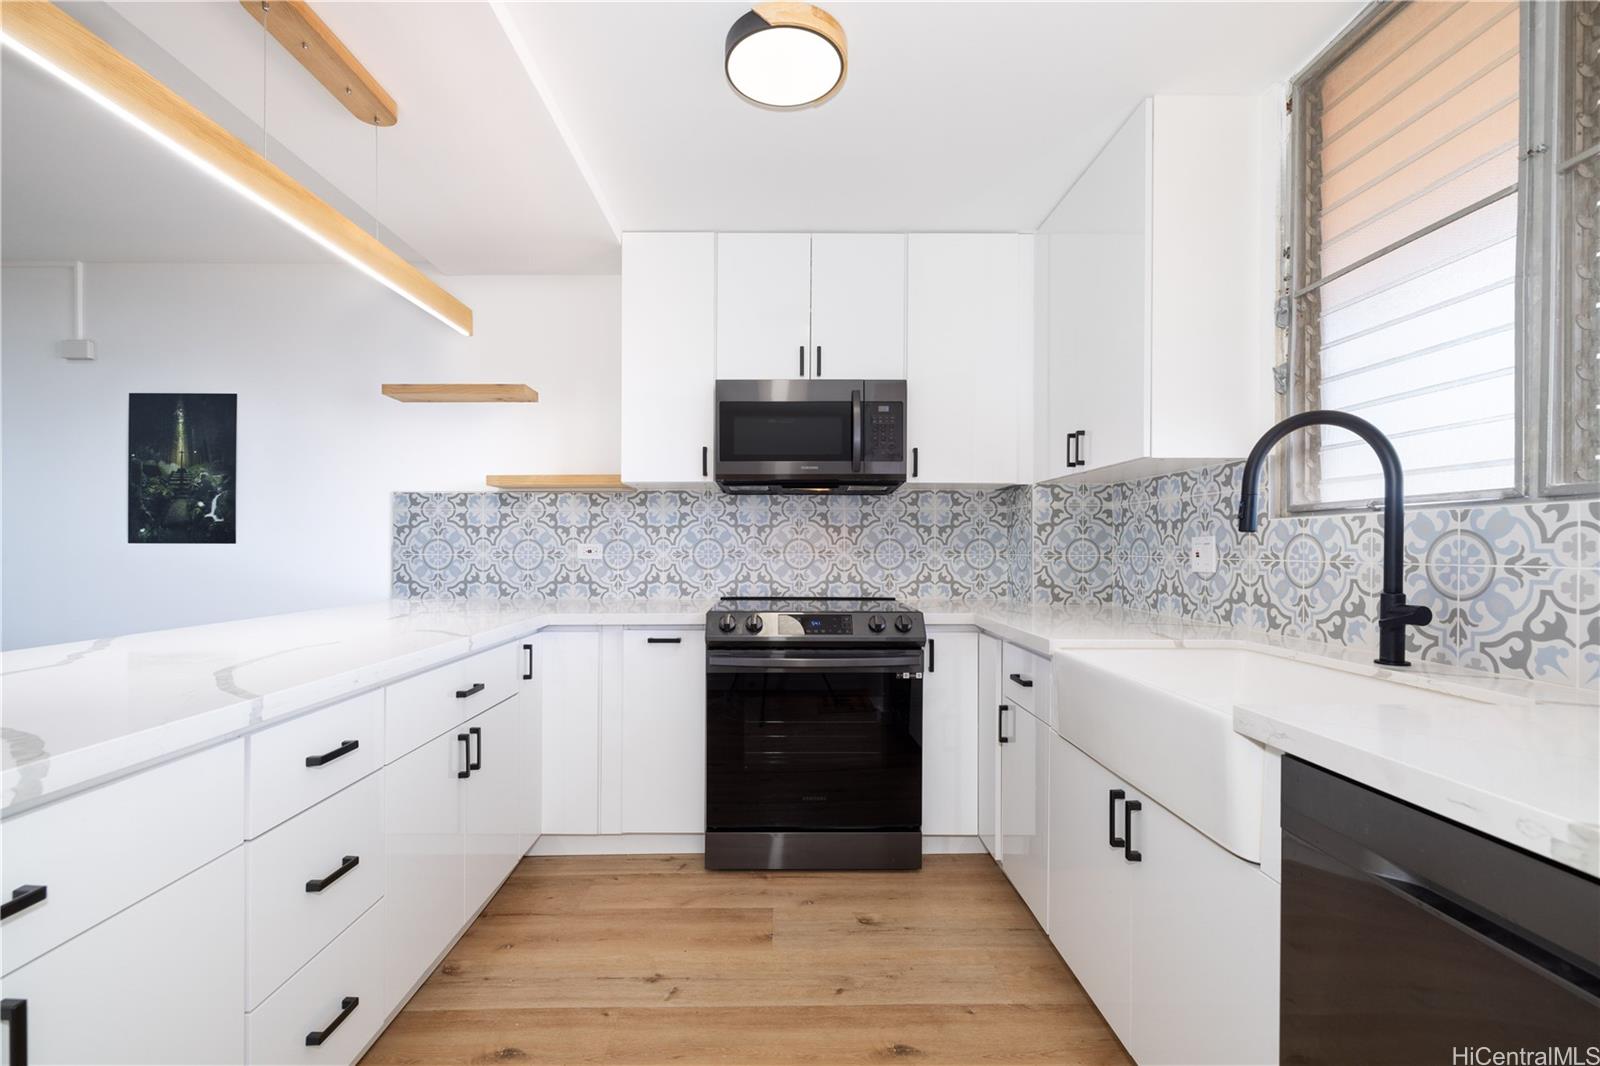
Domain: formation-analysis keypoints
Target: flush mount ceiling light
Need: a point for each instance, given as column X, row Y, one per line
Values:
column 785, row 57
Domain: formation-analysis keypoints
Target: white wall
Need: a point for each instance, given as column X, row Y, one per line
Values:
column 320, row 450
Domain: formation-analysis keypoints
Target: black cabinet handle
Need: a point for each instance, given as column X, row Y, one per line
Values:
column 346, row 1005
column 14, row 1013
column 817, row 352
column 475, row 764
column 932, row 654
column 317, row 884
column 1078, row 459
column 1022, row 682
column 1000, row 723
column 463, row 693
column 913, row 462
column 23, row 898
column 466, row 755
column 1112, row 840
column 340, row 752
column 802, row 360
column 1070, row 438
column 663, row 640
column 705, row 461
column 527, row 675
column 1127, row 831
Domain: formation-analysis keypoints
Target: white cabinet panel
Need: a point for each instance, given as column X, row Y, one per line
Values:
column 988, row 740
column 1204, row 949
column 1024, row 809
column 422, row 707
column 858, row 305
column 1090, row 908
column 423, row 897
column 97, row 852
column 669, row 356
column 950, row 733
column 763, row 305
column 494, row 820
column 344, row 741
column 663, row 731
column 968, row 373
column 570, row 686
column 288, row 922
column 531, row 761
column 160, row 983
column 348, row 973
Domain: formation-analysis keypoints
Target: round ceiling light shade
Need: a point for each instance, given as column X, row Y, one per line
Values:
column 786, row 56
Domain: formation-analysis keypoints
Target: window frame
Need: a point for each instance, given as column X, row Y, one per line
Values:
column 1537, row 352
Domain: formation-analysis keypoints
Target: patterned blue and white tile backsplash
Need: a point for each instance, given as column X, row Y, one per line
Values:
column 1515, row 588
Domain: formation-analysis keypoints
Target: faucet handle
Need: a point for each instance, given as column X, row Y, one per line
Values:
column 1393, row 610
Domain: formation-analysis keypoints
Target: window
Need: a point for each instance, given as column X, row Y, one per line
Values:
column 1445, row 251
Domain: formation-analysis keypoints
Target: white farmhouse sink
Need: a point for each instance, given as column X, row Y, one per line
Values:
column 1162, row 720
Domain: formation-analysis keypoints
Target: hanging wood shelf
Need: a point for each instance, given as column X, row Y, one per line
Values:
column 461, row 393
column 557, row 482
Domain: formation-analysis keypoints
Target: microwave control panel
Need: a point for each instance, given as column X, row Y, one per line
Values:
column 886, row 431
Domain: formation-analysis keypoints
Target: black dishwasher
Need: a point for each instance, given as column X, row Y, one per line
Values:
column 1410, row 939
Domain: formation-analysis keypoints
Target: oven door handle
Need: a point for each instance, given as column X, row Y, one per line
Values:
column 769, row 663
column 857, row 430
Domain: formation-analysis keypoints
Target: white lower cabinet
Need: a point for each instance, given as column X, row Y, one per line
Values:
column 495, row 821
column 950, row 733
column 989, row 652
column 424, row 895
column 1024, row 821
column 1179, row 948
column 663, row 779
column 569, row 669
column 161, row 982
column 330, row 1010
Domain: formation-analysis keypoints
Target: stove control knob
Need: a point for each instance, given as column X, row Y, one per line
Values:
column 876, row 623
column 753, row 623
column 727, row 623
column 902, row 624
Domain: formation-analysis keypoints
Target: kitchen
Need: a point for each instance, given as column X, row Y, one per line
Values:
column 728, row 578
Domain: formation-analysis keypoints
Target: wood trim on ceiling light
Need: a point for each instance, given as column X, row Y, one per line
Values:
column 314, row 46
column 40, row 31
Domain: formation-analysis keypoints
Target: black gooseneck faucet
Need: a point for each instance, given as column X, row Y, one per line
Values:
column 1394, row 614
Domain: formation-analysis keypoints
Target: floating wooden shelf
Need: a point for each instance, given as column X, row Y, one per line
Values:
column 461, row 393
column 558, row 482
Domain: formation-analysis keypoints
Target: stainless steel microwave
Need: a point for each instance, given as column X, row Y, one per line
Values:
column 810, row 436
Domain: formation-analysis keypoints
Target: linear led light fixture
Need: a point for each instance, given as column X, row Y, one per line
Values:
column 60, row 45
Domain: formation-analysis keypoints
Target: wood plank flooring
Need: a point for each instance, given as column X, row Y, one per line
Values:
column 652, row 959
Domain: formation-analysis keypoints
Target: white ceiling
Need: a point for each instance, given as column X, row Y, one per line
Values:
column 955, row 116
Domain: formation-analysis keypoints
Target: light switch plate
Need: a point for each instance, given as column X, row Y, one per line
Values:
column 1203, row 555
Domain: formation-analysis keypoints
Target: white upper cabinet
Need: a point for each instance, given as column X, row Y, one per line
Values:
column 969, row 363
column 763, row 305
column 858, row 305
column 669, row 357
column 1157, row 278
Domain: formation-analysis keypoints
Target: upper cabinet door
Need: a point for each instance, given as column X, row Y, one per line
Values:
column 669, row 357
column 858, row 305
column 763, row 305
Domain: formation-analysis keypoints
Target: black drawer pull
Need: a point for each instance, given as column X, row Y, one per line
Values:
column 463, row 693
column 475, row 764
column 23, row 898
column 466, row 752
column 1022, row 682
column 317, row 884
column 317, row 1036
column 663, row 640
column 340, row 752
column 1112, row 840
column 1000, row 723
column 14, row 1013
column 528, row 674
column 1128, row 851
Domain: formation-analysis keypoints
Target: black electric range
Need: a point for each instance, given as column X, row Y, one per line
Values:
column 814, row 734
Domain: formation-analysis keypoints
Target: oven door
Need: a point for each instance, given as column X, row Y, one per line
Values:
column 813, row 741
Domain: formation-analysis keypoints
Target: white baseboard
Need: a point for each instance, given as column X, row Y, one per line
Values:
column 695, row 844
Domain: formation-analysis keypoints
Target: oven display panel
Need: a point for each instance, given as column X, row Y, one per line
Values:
column 826, row 624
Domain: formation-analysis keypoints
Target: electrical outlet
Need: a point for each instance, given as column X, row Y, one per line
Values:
column 1203, row 555
column 587, row 551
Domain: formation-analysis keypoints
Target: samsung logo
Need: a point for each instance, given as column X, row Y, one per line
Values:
column 803, row 466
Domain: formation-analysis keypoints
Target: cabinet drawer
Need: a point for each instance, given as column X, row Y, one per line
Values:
column 1027, row 681
column 289, row 922
column 97, row 852
column 342, row 987
column 420, row 708
column 301, row 762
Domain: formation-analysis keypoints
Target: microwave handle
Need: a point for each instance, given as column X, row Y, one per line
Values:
column 857, row 415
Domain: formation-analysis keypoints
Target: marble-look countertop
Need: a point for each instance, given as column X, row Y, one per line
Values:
column 1525, row 767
